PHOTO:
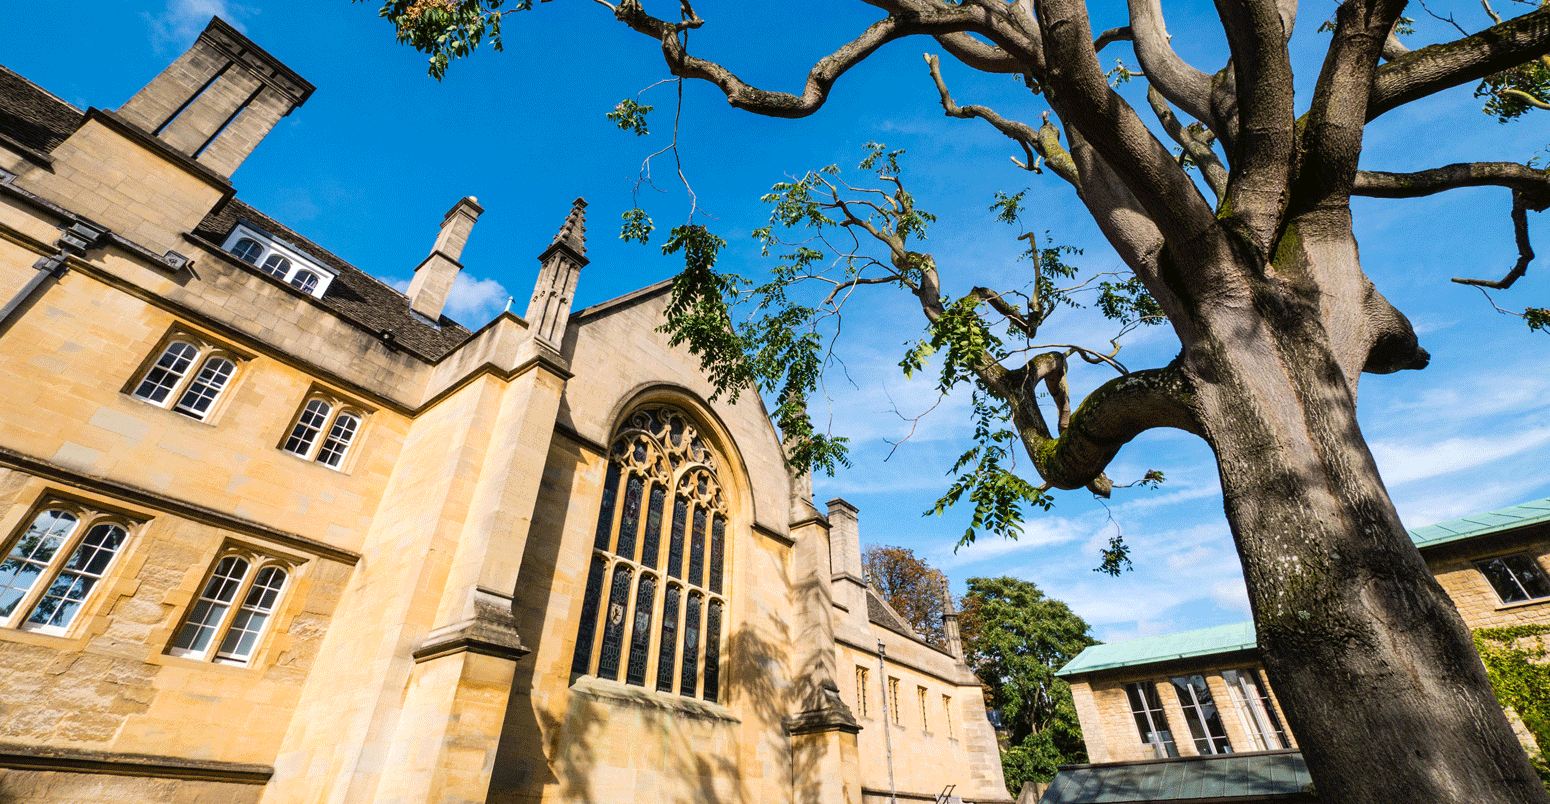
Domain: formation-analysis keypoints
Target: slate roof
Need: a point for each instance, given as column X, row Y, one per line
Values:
column 1269, row 776
column 1515, row 516
column 880, row 613
column 34, row 116
column 355, row 295
column 1204, row 642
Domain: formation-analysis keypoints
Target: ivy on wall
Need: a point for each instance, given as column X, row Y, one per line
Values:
column 1514, row 658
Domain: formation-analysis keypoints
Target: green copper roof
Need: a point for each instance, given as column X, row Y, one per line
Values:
column 1206, row 641
column 1234, row 777
column 1480, row 524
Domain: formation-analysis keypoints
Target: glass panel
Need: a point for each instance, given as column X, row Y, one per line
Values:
column 675, row 544
column 718, row 528
column 167, row 372
column 31, row 556
column 338, row 441
column 651, row 541
column 640, row 640
column 613, row 623
column 861, row 691
column 305, row 281
column 250, row 619
column 1247, row 687
column 247, row 250
column 206, row 387
column 1205, row 725
column 605, row 517
column 689, row 682
column 211, row 607
column 277, row 265
column 1150, row 720
column 308, row 425
column 713, row 651
column 697, row 549
column 582, row 662
column 629, row 522
column 668, row 645
column 1515, row 578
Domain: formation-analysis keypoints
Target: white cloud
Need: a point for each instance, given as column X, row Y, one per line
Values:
column 1422, row 459
column 475, row 301
column 176, row 28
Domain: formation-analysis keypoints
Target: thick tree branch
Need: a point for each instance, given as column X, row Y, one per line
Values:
column 1432, row 69
column 1183, row 85
column 1261, row 154
column 821, row 78
column 1520, row 208
column 1376, row 184
column 1196, row 143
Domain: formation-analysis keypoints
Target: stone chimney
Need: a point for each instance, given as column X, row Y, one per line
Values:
column 844, row 539
column 218, row 100
column 434, row 277
column 950, row 629
column 562, row 262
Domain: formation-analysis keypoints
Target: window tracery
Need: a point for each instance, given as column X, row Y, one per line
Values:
column 659, row 621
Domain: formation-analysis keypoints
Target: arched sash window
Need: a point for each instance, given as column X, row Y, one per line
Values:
column 663, row 512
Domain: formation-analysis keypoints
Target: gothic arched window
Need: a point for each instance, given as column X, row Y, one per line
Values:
column 655, row 592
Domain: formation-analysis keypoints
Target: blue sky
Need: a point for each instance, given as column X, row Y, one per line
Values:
column 368, row 166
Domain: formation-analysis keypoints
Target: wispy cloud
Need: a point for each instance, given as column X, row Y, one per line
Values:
column 176, row 27
column 1421, row 459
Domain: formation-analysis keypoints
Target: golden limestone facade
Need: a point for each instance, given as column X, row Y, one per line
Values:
column 274, row 532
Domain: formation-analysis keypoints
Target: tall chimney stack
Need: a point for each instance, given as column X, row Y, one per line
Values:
column 434, row 277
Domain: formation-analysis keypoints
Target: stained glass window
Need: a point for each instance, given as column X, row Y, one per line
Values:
column 657, row 458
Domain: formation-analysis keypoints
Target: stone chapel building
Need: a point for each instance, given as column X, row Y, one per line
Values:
column 275, row 532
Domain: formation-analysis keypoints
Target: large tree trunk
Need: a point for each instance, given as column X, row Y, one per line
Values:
column 1377, row 673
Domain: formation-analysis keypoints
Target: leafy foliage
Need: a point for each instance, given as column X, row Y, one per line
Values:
column 1508, row 92
column 448, row 29
column 630, row 115
column 982, row 472
column 1515, row 660
column 1015, row 638
column 915, row 589
column 1537, row 318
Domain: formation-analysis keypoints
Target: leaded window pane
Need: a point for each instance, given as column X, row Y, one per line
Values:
column 338, row 441
column 651, row 541
column 168, row 372
column 277, row 266
column 697, row 549
column 614, row 623
column 1205, row 724
column 582, row 662
column 688, row 683
column 257, row 605
column 640, row 638
column 605, row 517
column 718, row 528
column 668, row 644
column 713, row 651
column 207, row 385
column 675, row 544
column 31, row 556
column 247, row 250
column 629, row 522
column 313, row 417
column 210, row 609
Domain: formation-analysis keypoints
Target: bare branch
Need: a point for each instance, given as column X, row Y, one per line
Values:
column 1183, row 85
column 1111, row 36
column 1022, row 133
column 1376, row 184
column 1197, row 146
column 1520, row 207
column 1432, row 69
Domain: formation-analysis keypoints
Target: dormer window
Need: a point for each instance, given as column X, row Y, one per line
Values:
column 279, row 259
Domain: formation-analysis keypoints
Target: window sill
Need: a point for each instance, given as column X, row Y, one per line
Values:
column 207, row 421
column 614, row 692
column 1538, row 601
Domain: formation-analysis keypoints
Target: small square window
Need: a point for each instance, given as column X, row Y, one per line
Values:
column 1515, row 578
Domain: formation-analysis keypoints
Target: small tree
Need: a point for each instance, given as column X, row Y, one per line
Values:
column 1015, row 638
column 914, row 588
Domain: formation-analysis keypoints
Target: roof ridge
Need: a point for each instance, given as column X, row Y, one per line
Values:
column 72, row 107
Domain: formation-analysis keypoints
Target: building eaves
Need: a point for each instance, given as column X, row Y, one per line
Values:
column 1163, row 648
column 1258, row 777
column 33, row 117
column 1476, row 525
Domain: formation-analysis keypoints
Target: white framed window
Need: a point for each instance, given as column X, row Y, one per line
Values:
column 188, row 376
column 1515, row 578
column 1205, row 723
column 51, row 568
column 279, row 259
column 1256, row 711
column 323, row 431
column 235, row 604
column 1151, row 721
